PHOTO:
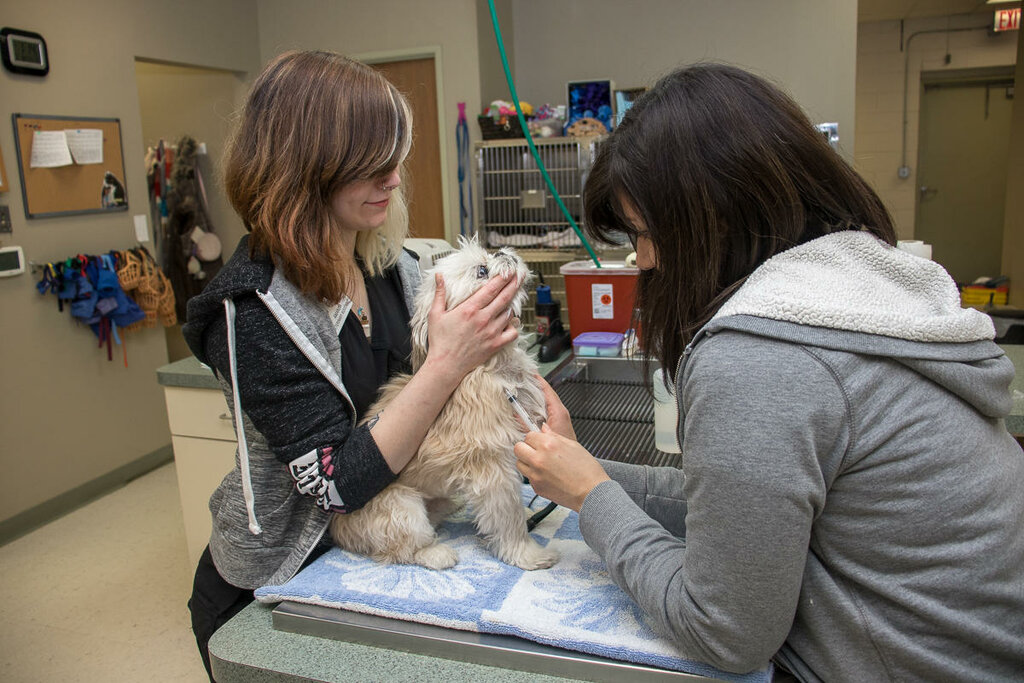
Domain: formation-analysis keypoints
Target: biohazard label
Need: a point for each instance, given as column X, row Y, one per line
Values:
column 603, row 302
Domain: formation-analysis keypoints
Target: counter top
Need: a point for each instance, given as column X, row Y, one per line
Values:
column 189, row 372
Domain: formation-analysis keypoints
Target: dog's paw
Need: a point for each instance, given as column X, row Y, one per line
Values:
column 532, row 556
column 436, row 556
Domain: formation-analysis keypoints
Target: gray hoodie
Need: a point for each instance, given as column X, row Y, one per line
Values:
column 850, row 503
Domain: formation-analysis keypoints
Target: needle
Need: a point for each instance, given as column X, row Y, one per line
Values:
column 536, row 517
column 521, row 412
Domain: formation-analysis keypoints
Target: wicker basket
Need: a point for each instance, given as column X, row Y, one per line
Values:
column 491, row 130
column 150, row 289
column 166, row 308
column 129, row 269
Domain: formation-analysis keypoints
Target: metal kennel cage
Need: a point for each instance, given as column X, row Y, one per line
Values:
column 513, row 206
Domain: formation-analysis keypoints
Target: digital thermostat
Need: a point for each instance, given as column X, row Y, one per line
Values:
column 24, row 52
column 12, row 261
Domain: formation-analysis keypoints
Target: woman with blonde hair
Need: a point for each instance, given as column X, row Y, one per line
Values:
column 311, row 315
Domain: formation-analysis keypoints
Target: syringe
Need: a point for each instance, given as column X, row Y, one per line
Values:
column 521, row 412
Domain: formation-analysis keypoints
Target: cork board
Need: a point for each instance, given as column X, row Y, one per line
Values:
column 80, row 183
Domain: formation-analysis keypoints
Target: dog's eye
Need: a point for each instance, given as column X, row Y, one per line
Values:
column 481, row 272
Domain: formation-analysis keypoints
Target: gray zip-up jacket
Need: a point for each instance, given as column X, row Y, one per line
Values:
column 850, row 503
column 300, row 454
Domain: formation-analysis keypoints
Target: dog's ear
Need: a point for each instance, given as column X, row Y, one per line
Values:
column 418, row 322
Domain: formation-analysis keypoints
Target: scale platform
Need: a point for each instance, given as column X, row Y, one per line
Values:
column 507, row 652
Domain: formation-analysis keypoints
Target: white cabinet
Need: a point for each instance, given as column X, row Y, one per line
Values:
column 204, row 451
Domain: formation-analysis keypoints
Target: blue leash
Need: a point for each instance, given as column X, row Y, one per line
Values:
column 465, row 185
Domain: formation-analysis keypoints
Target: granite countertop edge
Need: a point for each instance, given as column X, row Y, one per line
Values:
column 187, row 372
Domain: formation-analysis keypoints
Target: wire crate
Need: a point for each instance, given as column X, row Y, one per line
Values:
column 514, row 206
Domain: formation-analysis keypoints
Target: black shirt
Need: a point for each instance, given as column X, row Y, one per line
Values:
column 367, row 363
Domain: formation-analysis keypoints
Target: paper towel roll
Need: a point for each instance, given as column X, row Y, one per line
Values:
column 666, row 415
column 915, row 247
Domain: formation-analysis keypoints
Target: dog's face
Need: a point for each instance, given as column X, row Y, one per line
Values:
column 464, row 272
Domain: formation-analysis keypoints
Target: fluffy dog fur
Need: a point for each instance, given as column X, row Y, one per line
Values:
column 467, row 452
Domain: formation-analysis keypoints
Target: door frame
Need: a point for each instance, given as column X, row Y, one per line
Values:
column 433, row 52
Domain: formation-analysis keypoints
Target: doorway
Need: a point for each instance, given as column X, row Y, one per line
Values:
column 177, row 100
column 962, row 166
column 424, row 181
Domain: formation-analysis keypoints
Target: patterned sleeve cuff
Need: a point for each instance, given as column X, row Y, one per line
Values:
column 313, row 473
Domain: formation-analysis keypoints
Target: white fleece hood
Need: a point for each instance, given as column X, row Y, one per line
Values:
column 853, row 281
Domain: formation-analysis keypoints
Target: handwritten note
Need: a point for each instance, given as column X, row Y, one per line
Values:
column 86, row 145
column 50, row 149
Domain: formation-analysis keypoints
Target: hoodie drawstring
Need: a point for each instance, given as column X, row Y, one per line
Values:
column 243, row 447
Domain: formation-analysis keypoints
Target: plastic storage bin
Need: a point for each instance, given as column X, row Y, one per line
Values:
column 597, row 344
column 599, row 299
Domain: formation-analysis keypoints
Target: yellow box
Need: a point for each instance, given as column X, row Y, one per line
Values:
column 983, row 296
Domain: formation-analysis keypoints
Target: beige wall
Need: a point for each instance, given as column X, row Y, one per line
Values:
column 493, row 84
column 880, row 88
column 1013, row 229
column 67, row 415
column 808, row 47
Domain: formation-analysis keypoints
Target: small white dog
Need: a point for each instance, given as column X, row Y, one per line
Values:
column 467, row 452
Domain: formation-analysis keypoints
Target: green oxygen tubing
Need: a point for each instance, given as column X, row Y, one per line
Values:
column 529, row 138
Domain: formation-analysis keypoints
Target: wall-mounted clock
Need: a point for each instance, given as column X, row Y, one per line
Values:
column 24, row 52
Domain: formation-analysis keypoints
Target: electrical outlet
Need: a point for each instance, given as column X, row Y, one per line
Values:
column 5, row 219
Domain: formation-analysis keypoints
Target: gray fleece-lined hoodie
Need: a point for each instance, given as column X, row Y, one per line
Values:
column 852, row 504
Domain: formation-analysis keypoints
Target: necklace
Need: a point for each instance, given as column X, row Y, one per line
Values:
column 359, row 297
column 364, row 320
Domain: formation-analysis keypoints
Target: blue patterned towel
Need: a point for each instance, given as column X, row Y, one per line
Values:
column 573, row 605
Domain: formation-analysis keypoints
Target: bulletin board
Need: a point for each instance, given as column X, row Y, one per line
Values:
column 73, row 188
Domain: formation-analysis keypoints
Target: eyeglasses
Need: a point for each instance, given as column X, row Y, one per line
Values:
column 634, row 236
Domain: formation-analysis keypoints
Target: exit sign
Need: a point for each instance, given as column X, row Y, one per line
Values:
column 1007, row 19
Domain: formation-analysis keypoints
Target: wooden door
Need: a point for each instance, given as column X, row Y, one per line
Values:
column 962, row 165
column 416, row 79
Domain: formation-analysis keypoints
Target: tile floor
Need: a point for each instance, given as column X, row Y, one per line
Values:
column 99, row 595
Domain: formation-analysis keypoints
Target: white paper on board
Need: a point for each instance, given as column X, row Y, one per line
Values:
column 49, row 149
column 86, row 145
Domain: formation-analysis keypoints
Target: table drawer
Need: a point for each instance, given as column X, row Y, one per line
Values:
column 198, row 412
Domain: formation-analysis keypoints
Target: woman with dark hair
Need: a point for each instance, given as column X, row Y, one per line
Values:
column 311, row 316
column 850, row 503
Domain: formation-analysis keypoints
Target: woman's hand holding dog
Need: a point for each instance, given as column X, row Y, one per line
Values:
column 470, row 333
column 559, row 469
